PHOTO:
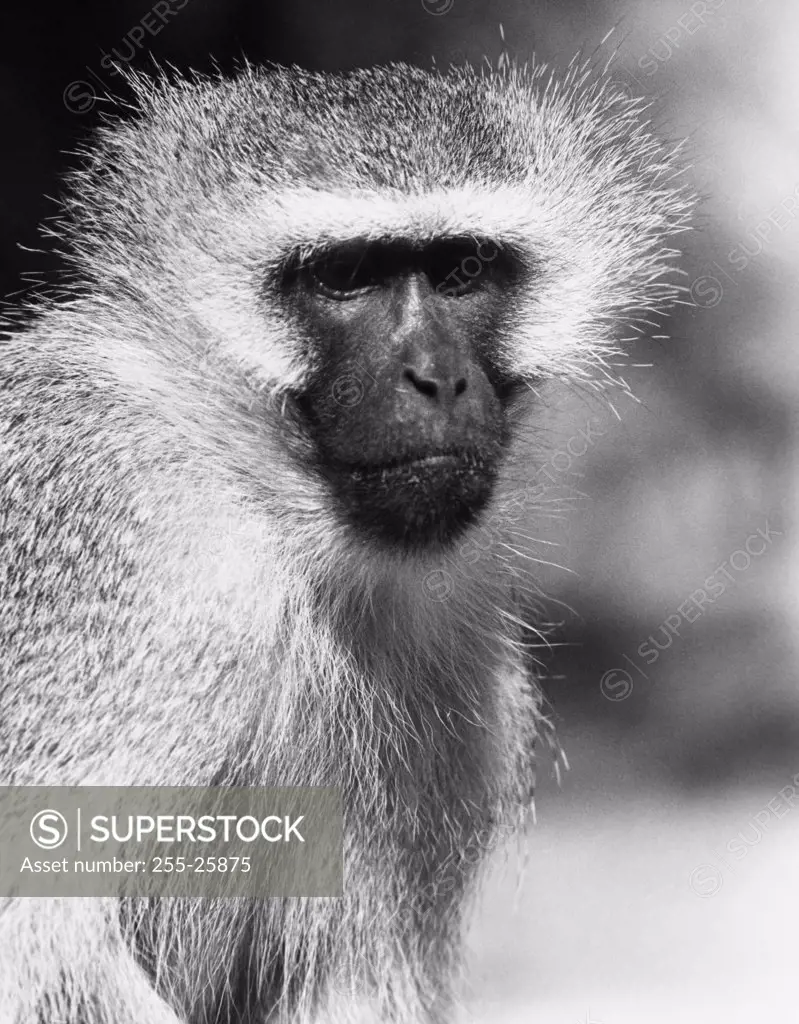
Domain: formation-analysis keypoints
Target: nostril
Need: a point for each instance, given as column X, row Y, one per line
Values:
column 431, row 387
column 424, row 384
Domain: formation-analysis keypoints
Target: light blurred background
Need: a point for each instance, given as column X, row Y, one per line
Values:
column 662, row 880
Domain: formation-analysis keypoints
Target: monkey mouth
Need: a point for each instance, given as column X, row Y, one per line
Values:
column 450, row 457
column 419, row 499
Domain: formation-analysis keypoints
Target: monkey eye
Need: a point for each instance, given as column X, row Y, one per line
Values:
column 344, row 272
column 453, row 266
column 459, row 266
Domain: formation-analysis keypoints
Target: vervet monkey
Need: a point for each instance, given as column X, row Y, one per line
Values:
column 308, row 323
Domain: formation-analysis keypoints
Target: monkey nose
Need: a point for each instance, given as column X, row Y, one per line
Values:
column 438, row 385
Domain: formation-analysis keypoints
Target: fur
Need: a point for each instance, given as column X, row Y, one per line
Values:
column 180, row 603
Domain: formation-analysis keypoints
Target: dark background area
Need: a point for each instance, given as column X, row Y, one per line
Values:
column 635, row 908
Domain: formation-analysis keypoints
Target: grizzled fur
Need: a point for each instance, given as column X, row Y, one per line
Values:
column 181, row 603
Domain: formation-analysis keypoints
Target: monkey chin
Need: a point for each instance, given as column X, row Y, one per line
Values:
column 419, row 502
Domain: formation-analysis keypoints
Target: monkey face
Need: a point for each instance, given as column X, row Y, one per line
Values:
column 361, row 269
column 406, row 405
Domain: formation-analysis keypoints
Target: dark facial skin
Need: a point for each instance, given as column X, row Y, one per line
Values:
column 406, row 408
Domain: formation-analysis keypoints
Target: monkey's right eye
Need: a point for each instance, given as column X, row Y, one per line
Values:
column 343, row 273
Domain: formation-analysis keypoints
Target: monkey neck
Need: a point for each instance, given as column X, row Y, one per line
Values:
column 429, row 677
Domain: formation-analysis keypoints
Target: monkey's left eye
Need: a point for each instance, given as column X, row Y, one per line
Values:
column 343, row 273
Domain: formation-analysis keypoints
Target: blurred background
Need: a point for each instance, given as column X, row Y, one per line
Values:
column 662, row 879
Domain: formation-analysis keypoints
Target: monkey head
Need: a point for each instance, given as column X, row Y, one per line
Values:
column 398, row 293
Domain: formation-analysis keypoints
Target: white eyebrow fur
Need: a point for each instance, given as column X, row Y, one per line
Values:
column 304, row 218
